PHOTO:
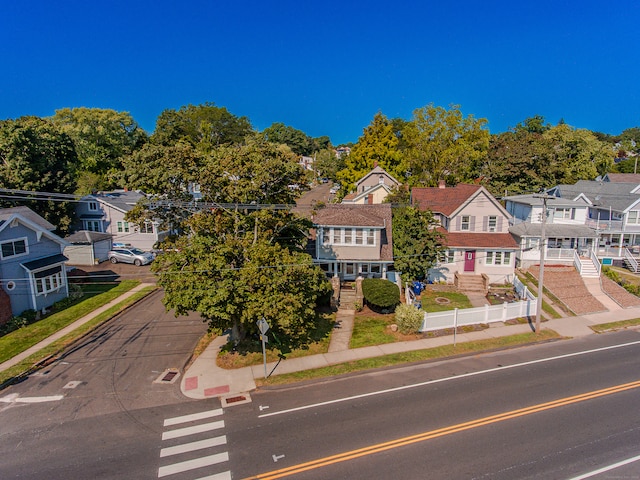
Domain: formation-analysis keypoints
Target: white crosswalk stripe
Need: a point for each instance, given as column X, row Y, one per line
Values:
column 199, row 451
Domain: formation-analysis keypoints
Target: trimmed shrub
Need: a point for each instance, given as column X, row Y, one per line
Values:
column 380, row 293
column 408, row 318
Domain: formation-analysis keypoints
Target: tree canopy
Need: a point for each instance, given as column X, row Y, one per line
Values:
column 35, row 155
column 101, row 137
column 377, row 145
column 416, row 242
column 443, row 144
column 204, row 126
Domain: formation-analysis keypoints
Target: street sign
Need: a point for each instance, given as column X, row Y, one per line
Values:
column 264, row 338
column 263, row 326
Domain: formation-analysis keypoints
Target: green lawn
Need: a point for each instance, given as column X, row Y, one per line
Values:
column 98, row 295
column 456, row 300
column 369, row 331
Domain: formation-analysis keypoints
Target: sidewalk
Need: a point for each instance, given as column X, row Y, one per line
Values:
column 69, row 328
column 205, row 379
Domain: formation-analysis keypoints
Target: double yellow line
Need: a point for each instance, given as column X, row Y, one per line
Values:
column 421, row 437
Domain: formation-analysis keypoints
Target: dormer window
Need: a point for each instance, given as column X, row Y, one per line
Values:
column 93, row 206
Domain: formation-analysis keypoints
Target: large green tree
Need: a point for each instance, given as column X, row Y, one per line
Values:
column 36, row 156
column 102, row 137
column 299, row 142
column 327, row 164
column 378, row 145
column 204, row 126
column 416, row 242
column 443, row 144
column 233, row 279
column 577, row 154
column 258, row 172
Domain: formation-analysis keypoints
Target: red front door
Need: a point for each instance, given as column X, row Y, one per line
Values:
column 470, row 261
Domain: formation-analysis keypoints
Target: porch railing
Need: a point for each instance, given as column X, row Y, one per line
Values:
column 594, row 258
column 630, row 260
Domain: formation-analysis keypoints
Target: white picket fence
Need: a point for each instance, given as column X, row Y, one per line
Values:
column 475, row 316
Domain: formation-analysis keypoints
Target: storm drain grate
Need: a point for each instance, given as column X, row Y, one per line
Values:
column 237, row 399
column 170, row 375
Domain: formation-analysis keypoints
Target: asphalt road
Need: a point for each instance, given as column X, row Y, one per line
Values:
column 97, row 413
column 504, row 415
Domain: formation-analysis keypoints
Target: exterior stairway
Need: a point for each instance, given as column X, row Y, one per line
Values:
column 471, row 283
column 588, row 269
column 347, row 299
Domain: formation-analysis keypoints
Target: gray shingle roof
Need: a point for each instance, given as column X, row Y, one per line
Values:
column 614, row 195
column 27, row 213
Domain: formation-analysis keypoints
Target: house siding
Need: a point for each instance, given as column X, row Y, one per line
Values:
column 11, row 270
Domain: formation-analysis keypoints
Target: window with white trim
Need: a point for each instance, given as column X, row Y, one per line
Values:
column 633, row 218
column 465, row 223
column 564, row 213
column 358, row 236
column 492, row 223
column 92, row 225
column 348, row 236
column 325, row 236
column 93, row 206
column 498, row 258
column 123, row 227
column 14, row 248
column 49, row 280
column 370, row 237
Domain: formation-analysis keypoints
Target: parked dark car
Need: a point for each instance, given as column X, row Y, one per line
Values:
column 131, row 255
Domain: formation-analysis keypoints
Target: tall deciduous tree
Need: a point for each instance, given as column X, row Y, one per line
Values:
column 258, row 172
column 102, row 137
column 377, row 145
column 233, row 280
column 35, row 155
column 416, row 242
column 577, row 154
column 444, row 145
column 299, row 142
column 204, row 126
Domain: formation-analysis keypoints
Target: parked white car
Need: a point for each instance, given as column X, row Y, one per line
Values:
column 131, row 255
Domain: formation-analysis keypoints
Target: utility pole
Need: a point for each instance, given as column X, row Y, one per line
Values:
column 544, row 197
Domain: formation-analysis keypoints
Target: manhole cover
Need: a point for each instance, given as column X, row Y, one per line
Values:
column 170, row 375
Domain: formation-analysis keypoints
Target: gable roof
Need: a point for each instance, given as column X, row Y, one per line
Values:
column 26, row 212
column 622, row 178
column 29, row 219
column 377, row 170
column 87, row 237
column 448, row 200
column 618, row 196
column 123, row 200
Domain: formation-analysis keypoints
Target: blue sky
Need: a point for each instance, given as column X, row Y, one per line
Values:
column 328, row 67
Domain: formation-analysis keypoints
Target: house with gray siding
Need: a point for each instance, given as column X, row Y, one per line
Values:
column 32, row 264
column 105, row 212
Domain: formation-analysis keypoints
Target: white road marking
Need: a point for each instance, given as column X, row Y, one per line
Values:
column 193, row 417
column 190, row 447
column 606, row 469
column 14, row 398
column 446, row 379
column 183, row 432
column 277, row 457
column 193, row 464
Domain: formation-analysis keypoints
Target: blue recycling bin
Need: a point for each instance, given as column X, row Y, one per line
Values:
column 417, row 287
